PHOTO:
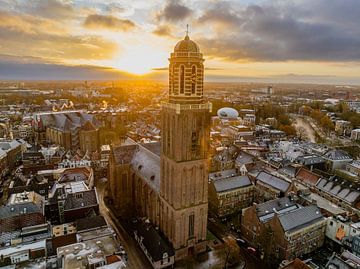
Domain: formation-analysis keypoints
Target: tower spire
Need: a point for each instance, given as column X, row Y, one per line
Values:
column 187, row 29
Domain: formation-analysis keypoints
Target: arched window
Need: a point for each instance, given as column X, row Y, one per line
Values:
column 193, row 79
column 171, row 80
column 182, row 79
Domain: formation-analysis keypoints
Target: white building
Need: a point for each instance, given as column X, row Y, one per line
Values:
column 354, row 105
column 343, row 127
column 339, row 227
column 355, row 135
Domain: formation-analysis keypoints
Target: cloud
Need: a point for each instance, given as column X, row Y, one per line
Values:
column 283, row 31
column 163, row 30
column 31, row 36
column 96, row 21
column 222, row 13
column 174, row 11
column 35, row 68
column 160, row 69
column 52, row 9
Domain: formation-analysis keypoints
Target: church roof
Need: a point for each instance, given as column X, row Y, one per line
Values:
column 186, row 45
column 124, row 154
column 144, row 159
column 147, row 164
column 154, row 147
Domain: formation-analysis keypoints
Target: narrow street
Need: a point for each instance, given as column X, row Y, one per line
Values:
column 136, row 258
column 302, row 124
column 251, row 261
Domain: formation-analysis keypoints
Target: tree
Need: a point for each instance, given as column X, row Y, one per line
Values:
column 326, row 123
column 284, row 119
column 306, row 110
column 302, row 133
column 288, row 129
column 316, row 105
column 351, row 116
column 342, row 107
column 231, row 252
column 316, row 115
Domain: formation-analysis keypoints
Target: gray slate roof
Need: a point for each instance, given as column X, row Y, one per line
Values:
column 9, row 211
column 147, row 164
column 67, row 120
column 154, row 147
column 288, row 170
column 244, row 158
column 344, row 190
column 88, row 199
column 266, row 211
column 309, row 159
column 273, row 181
column 124, row 154
column 337, row 155
column 227, row 184
column 223, row 174
column 300, row 218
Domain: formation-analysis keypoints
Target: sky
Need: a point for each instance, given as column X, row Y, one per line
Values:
column 310, row 41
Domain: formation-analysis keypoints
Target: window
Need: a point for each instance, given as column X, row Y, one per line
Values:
column 194, row 141
column 171, row 88
column 191, row 225
column 193, row 79
column 79, row 195
column 182, row 79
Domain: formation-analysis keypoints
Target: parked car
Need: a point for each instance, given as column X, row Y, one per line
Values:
column 251, row 250
column 241, row 242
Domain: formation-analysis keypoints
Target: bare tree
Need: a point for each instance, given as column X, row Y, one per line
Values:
column 231, row 252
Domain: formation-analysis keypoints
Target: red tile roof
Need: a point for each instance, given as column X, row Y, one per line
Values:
column 307, row 177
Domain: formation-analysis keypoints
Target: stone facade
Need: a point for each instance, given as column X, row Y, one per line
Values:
column 169, row 185
column 69, row 129
column 282, row 229
column 185, row 121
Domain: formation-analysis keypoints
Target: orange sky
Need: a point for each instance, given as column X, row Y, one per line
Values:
column 271, row 40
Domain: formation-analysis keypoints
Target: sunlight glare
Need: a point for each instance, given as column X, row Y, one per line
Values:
column 140, row 60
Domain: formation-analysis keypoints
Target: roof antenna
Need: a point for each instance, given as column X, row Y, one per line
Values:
column 187, row 30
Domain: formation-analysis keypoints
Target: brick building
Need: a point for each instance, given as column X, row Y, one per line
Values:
column 229, row 192
column 69, row 129
column 22, row 210
column 70, row 201
column 270, row 186
column 168, row 183
column 282, row 229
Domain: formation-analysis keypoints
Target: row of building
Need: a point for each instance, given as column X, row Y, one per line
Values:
column 52, row 219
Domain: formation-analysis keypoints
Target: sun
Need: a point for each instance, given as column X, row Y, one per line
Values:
column 139, row 60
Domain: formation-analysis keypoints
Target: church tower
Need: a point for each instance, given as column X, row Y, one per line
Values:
column 185, row 121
